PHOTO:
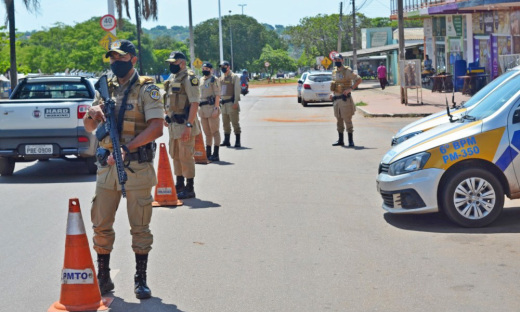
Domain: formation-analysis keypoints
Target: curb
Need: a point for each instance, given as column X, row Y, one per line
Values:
column 409, row 115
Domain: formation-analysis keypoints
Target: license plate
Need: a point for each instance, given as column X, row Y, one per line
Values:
column 43, row 149
column 323, row 94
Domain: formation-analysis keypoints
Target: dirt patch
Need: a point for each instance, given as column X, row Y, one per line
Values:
column 261, row 85
column 295, row 120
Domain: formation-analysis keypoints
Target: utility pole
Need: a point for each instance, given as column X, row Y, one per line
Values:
column 354, row 53
column 242, row 5
column 231, row 38
column 220, row 34
column 111, row 11
column 192, row 45
column 339, row 26
column 400, row 21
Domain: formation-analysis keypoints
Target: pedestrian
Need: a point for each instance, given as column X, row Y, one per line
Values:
column 230, row 92
column 181, row 102
column 344, row 107
column 381, row 74
column 139, row 103
column 209, row 110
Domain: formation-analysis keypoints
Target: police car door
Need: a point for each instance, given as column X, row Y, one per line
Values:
column 513, row 131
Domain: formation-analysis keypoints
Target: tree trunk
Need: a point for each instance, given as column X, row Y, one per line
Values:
column 12, row 43
column 138, row 24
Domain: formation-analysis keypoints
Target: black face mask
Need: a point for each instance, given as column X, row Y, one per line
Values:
column 206, row 72
column 338, row 64
column 224, row 69
column 175, row 68
column 121, row 68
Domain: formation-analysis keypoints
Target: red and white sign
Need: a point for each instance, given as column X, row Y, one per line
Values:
column 266, row 64
column 332, row 54
column 108, row 22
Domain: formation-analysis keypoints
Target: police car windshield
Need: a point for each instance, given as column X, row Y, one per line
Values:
column 320, row 77
column 488, row 88
column 496, row 99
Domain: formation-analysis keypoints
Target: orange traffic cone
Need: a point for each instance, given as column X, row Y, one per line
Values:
column 79, row 284
column 165, row 193
column 200, row 151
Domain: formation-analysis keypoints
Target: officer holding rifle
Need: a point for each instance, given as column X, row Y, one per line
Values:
column 139, row 115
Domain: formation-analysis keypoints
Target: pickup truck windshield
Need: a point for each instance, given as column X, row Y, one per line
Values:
column 488, row 88
column 495, row 99
column 53, row 90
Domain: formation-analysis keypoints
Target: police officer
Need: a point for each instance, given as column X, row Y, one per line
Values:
column 209, row 110
column 181, row 102
column 141, row 124
column 230, row 91
column 344, row 107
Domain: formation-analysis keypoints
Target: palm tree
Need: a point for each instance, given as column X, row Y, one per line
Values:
column 9, row 6
column 144, row 9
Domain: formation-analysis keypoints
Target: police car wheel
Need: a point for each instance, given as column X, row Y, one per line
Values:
column 6, row 166
column 472, row 197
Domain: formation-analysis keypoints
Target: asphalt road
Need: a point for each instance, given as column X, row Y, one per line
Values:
column 286, row 223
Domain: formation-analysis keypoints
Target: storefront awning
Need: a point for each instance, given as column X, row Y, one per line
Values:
column 386, row 48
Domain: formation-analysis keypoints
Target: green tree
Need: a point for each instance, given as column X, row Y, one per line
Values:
column 249, row 37
column 279, row 60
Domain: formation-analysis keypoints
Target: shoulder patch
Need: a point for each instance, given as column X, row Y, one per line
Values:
column 194, row 81
column 153, row 91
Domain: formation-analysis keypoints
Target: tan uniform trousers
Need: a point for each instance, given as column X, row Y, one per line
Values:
column 343, row 111
column 230, row 117
column 182, row 154
column 210, row 126
column 103, row 213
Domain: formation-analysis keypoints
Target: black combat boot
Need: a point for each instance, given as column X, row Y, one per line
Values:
column 141, row 290
column 237, row 141
column 179, row 185
column 189, row 190
column 103, row 276
column 226, row 140
column 339, row 142
column 208, row 152
column 350, row 140
column 215, row 156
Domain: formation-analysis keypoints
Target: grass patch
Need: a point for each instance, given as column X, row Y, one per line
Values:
column 361, row 103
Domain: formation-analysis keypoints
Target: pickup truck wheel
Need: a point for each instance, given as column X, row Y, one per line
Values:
column 6, row 166
column 91, row 165
column 473, row 197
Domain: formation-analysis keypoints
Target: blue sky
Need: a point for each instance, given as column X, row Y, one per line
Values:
column 175, row 12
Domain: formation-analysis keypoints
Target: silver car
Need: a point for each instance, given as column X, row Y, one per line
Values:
column 315, row 88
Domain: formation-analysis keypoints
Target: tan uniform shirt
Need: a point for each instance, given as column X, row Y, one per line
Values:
column 230, row 87
column 209, row 87
column 342, row 79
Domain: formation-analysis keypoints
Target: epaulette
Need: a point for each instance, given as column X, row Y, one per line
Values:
column 193, row 78
column 145, row 79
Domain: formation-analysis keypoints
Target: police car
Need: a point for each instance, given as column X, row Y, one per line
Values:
column 464, row 167
column 431, row 121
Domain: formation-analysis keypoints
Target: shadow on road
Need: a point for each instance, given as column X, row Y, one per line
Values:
column 51, row 171
column 196, row 203
column 153, row 304
column 508, row 222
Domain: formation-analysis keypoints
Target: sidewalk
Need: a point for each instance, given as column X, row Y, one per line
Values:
column 387, row 102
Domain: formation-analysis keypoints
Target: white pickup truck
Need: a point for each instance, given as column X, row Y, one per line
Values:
column 42, row 119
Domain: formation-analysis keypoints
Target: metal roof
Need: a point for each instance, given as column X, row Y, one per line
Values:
column 389, row 47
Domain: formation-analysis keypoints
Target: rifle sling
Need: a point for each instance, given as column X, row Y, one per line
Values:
column 122, row 109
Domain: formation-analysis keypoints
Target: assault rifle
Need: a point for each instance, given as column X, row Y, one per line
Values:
column 109, row 127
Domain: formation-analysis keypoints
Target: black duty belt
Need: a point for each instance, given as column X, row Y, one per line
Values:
column 145, row 153
column 204, row 103
column 343, row 97
column 228, row 101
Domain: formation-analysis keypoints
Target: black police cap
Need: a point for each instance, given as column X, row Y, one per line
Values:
column 208, row 65
column 122, row 47
column 176, row 55
column 225, row 63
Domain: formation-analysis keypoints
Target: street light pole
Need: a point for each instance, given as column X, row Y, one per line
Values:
column 192, row 44
column 231, row 38
column 242, row 5
column 220, row 33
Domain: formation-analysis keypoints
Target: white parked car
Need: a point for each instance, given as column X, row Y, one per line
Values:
column 315, row 88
